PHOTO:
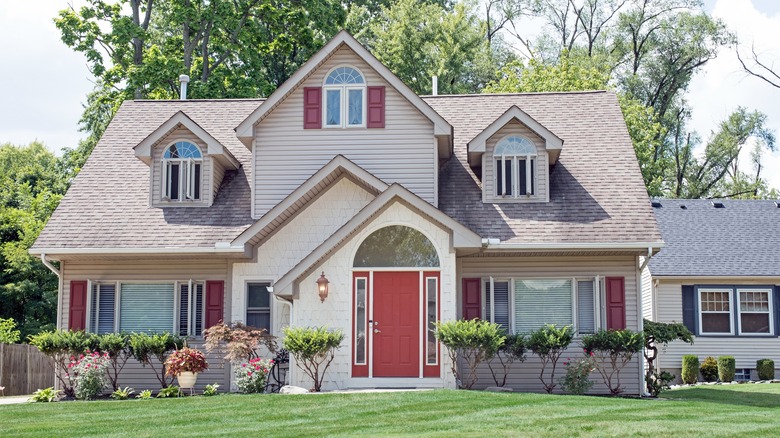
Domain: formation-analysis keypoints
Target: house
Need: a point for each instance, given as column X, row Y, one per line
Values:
column 719, row 274
column 523, row 209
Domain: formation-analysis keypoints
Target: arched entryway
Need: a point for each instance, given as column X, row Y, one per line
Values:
column 396, row 273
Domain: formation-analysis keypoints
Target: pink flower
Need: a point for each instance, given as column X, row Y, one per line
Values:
column 243, row 365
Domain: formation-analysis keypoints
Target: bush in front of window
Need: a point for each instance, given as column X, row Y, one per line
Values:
column 726, row 368
column 474, row 341
column 117, row 346
column 152, row 350
column 549, row 343
column 512, row 350
column 313, row 349
column 63, row 346
column 690, row 369
column 577, row 379
column 765, row 369
column 613, row 350
column 251, row 376
column 709, row 369
column 89, row 374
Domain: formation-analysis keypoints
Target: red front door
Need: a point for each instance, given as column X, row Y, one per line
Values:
column 396, row 331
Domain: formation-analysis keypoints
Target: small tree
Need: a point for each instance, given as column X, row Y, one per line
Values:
column 8, row 332
column 237, row 342
column 117, row 346
column 63, row 346
column 660, row 334
column 549, row 343
column 473, row 340
column 512, row 350
column 313, row 350
column 613, row 350
column 153, row 349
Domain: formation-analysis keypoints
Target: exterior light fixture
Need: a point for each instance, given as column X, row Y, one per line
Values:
column 322, row 285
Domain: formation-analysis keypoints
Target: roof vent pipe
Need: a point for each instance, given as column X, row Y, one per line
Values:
column 183, row 79
column 435, row 80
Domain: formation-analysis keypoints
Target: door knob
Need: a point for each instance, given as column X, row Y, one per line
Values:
column 377, row 331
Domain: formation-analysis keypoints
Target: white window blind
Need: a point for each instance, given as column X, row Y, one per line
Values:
column 146, row 307
column 586, row 306
column 497, row 303
column 102, row 308
column 191, row 309
column 540, row 302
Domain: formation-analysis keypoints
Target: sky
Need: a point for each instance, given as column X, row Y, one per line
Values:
column 43, row 83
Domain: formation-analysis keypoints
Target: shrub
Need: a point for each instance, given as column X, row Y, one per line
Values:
column 211, row 390
column 512, row 350
column 658, row 383
column 251, row 377
column 237, row 342
column 690, row 369
column 186, row 359
column 169, row 391
column 660, row 334
column 148, row 348
column 8, row 332
column 709, row 369
column 765, row 369
column 474, row 341
column 63, row 346
column 577, row 379
column 313, row 350
column 146, row 394
column 613, row 349
column 548, row 343
column 122, row 393
column 89, row 374
column 726, row 368
column 117, row 346
column 46, row 395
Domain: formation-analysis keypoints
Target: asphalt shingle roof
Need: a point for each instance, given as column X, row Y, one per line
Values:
column 740, row 239
column 107, row 206
column 596, row 189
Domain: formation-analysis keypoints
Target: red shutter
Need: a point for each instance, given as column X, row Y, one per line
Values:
column 215, row 299
column 77, row 314
column 616, row 303
column 376, row 107
column 472, row 298
column 312, row 108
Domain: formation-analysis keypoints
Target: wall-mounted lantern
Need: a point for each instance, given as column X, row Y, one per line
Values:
column 322, row 285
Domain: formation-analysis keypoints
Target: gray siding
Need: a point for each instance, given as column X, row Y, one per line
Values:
column 525, row 376
column 207, row 195
column 286, row 154
column 541, row 169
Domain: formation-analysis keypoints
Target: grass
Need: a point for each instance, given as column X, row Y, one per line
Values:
column 712, row 411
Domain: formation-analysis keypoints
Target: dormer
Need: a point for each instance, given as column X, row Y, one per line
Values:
column 515, row 153
column 186, row 163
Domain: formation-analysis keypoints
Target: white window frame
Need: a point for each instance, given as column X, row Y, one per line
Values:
column 367, row 325
column 597, row 302
column 270, row 303
column 730, row 294
column 192, row 304
column 490, row 290
column 770, row 311
column 89, row 322
column 186, row 175
column 436, row 305
column 344, row 100
column 500, row 188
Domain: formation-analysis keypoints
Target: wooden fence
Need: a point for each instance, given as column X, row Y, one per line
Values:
column 24, row 369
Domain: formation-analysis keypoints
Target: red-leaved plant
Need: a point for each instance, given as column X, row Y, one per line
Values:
column 186, row 359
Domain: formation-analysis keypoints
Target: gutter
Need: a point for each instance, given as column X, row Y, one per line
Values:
column 58, row 273
column 290, row 376
column 219, row 248
column 492, row 244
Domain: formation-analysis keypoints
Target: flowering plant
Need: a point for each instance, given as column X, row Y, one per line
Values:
column 251, row 376
column 186, row 359
column 577, row 379
column 88, row 373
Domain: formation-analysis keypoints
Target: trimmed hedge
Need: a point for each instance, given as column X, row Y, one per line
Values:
column 709, row 369
column 726, row 367
column 690, row 369
column 766, row 369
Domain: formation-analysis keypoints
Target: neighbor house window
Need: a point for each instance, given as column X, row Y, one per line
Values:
column 715, row 315
column 755, row 315
column 514, row 161
column 182, row 167
column 345, row 98
column 258, row 307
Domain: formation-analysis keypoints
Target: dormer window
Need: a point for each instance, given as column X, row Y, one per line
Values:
column 182, row 165
column 515, row 164
column 345, row 98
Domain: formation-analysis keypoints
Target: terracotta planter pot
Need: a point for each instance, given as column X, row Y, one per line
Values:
column 187, row 379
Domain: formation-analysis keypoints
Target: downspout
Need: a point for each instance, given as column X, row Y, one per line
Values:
column 642, row 388
column 288, row 303
column 56, row 272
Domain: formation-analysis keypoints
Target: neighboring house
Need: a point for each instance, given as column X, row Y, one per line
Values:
column 719, row 274
column 522, row 209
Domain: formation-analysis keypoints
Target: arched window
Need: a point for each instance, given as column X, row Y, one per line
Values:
column 182, row 165
column 345, row 98
column 515, row 164
column 396, row 246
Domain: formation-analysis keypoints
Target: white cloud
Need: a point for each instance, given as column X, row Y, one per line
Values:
column 722, row 86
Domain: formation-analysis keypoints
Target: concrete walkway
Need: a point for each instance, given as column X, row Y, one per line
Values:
column 14, row 399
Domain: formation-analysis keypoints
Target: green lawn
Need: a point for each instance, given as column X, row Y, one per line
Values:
column 711, row 411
